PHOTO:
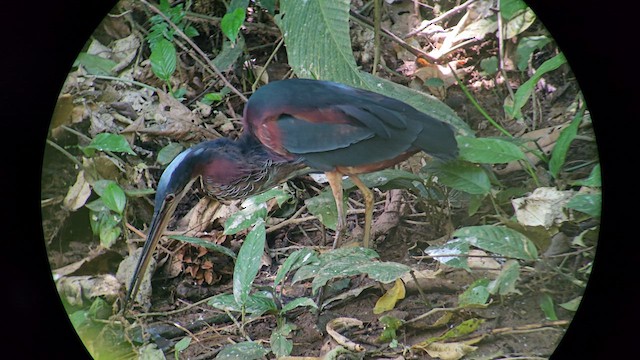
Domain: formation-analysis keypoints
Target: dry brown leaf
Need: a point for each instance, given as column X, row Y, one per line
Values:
column 449, row 351
column 78, row 289
column 78, row 193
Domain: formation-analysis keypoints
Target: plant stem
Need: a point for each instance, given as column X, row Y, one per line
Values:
column 477, row 105
column 377, row 14
column 64, row 152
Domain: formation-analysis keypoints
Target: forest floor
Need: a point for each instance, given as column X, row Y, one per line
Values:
column 512, row 326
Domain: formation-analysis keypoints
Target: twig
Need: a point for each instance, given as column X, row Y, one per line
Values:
column 439, row 18
column 197, row 49
column 501, row 55
column 417, row 52
column 114, row 78
column 291, row 220
column 477, row 105
column 377, row 14
column 64, row 152
column 266, row 64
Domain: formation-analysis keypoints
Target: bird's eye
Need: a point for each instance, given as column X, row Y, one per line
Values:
column 169, row 197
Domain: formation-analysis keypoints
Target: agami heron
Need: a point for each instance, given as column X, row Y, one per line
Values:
column 291, row 126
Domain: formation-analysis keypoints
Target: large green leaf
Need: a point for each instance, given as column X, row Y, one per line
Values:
column 461, row 175
column 319, row 47
column 248, row 262
column 248, row 350
column 499, row 240
column 488, row 150
column 163, row 59
column 559, row 154
column 513, row 107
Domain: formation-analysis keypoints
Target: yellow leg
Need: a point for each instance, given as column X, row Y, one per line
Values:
column 368, row 208
column 335, row 181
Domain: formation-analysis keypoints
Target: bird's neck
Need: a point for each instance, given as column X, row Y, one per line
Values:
column 259, row 170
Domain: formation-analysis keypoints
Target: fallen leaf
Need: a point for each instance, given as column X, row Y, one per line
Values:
column 390, row 298
column 544, row 207
column 449, row 351
column 78, row 193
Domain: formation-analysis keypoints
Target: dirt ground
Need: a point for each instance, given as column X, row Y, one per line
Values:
column 514, row 326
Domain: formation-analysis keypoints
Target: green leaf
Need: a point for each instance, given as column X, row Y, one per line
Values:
column 245, row 218
column 510, row 8
column 572, row 305
column 255, row 304
column 79, row 318
column 280, row 345
column 488, row 150
column 297, row 302
column 566, row 137
column 326, row 22
column 294, row 261
column 182, row 345
column 269, row 5
column 590, row 204
column 464, row 328
column 489, row 65
column 336, row 269
column 476, row 294
column 526, row 46
column 519, row 23
column 109, row 234
column 205, row 244
column 94, row 64
column 229, row 54
column 168, row 153
column 224, row 302
column 505, row 283
column 452, row 253
column 546, row 304
column 232, row 22
column 210, row 98
column 594, row 179
column 248, row 350
column 163, row 59
column 114, row 197
column 108, row 142
column 260, row 303
column 391, row 324
column 278, row 193
column 384, row 272
column 499, row 240
column 386, row 179
column 512, row 107
column 324, row 208
column 461, row 175
column 191, row 32
column 248, row 262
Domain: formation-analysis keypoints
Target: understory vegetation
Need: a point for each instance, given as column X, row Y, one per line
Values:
column 484, row 257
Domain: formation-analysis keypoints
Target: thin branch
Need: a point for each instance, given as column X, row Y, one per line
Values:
column 197, row 49
column 439, row 18
column 377, row 14
column 64, row 152
column 417, row 52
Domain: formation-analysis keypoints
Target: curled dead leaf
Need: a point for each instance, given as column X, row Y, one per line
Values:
column 78, row 193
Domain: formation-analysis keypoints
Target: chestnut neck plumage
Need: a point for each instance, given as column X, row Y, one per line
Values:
column 260, row 170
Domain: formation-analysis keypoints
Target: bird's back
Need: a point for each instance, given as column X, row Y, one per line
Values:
column 330, row 124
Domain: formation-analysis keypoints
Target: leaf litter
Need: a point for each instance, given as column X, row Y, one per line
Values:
column 150, row 119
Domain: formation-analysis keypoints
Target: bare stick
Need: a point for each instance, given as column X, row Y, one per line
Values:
column 197, row 49
column 439, row 18
column 393, row 37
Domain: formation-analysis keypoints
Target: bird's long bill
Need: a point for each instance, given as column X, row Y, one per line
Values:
column 158, row 225
column 161, row 218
